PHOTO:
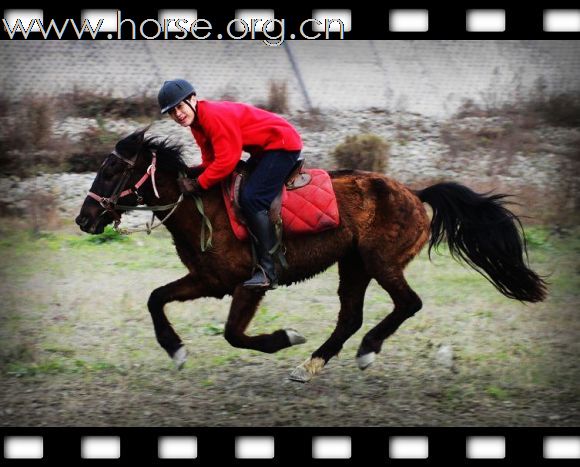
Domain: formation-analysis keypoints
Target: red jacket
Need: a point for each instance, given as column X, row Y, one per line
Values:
column 224, row 129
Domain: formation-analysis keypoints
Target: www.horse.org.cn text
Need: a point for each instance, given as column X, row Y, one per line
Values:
column 271, row 31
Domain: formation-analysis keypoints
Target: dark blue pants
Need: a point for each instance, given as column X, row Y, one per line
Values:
column 266, row 181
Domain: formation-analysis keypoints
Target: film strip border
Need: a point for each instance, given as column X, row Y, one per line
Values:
column 557, row 21
column 295, row 446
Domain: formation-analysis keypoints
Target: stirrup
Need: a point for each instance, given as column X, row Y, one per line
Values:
column 260, row 280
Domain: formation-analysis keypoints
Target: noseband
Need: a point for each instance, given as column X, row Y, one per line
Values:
column 110, row 203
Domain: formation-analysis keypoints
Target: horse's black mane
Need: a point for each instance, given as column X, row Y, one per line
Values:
column 168, row 153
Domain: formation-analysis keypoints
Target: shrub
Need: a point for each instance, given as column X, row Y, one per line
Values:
column 277, row 98
column 92, row 149
column 88, row 104
column 313, row 119
column 229, row 93
column 27, row 143
column 28, row 125
column 364, row 152
column 529, row 112
column 560, row 110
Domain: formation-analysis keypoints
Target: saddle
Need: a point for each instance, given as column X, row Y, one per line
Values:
column 306, row 204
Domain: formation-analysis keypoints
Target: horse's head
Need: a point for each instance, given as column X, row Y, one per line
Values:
column 126, row 178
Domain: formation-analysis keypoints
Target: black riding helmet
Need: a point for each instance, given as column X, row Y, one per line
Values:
column 173, row 92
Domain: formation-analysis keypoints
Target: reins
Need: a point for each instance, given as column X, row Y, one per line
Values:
column 149, row 226
column 205, row 223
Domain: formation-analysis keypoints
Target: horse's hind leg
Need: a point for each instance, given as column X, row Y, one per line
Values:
column 182, row 289
column 406, row 302
column 354, row 281
column 244, row 305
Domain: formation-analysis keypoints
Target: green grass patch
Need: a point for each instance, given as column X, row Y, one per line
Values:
column 109, row 235
column 224, row 359
column 497, row 393
column 213, row 329
column 56, row 366
column 56, row 349
column 537, row 237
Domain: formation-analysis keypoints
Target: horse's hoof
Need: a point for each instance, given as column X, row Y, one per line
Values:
column 295, row 337
column 180, row 357
column 300, row 374
column 310, row 368
column 366, row 360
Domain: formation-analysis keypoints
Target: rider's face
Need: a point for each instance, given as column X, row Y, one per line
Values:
column 182, row 113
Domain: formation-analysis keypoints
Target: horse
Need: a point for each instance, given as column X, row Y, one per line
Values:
column 383, row 226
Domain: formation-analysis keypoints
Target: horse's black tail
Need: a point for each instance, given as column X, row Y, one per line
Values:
column 486, row 235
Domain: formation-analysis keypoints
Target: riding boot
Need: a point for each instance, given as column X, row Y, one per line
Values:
column 264, row 238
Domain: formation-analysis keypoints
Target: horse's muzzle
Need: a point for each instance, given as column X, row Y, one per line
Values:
column 82, row 221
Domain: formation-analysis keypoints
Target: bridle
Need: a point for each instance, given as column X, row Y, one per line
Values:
column 110, row 205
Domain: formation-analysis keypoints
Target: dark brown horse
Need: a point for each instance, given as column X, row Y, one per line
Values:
column 383, row 227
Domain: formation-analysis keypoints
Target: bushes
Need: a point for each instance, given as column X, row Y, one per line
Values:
column 559, row 110
column 313, row 119
column 29, row 146
column 89, row 153
column 88, row 104
column 277, row 98
column 27, row 126
column 364, row 152
column 531, row 111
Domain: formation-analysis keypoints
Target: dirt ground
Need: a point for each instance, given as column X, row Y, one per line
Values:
column 78, row 347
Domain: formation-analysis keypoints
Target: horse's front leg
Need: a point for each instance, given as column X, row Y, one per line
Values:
column 182, row 289
column 244, row 305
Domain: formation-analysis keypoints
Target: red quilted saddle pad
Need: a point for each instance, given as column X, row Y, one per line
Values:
column 309, row 209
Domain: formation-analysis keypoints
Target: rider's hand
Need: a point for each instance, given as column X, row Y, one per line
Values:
column 189, row 186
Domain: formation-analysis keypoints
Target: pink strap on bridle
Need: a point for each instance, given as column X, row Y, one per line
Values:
column 97, row 198
column 149, row 173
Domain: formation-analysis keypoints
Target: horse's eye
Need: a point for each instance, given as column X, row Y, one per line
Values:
column 108, row 172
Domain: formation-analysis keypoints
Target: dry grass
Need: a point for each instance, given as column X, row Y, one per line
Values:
column 523, row 127
column 89, row 153
column 503, row 139
column 530, row 111
column 555, row 206
column 87, row 104
column 277, row 101
column 42, row 212
column 311, row 120
column 28, row 145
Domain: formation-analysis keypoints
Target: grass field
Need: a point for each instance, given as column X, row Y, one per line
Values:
column 78, row 347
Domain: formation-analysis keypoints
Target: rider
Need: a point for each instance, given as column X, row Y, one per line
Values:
column 223, row 130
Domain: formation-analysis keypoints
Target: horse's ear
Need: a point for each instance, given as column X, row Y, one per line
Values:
column 141, row 133
column 132, row 142
column 146, row 129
